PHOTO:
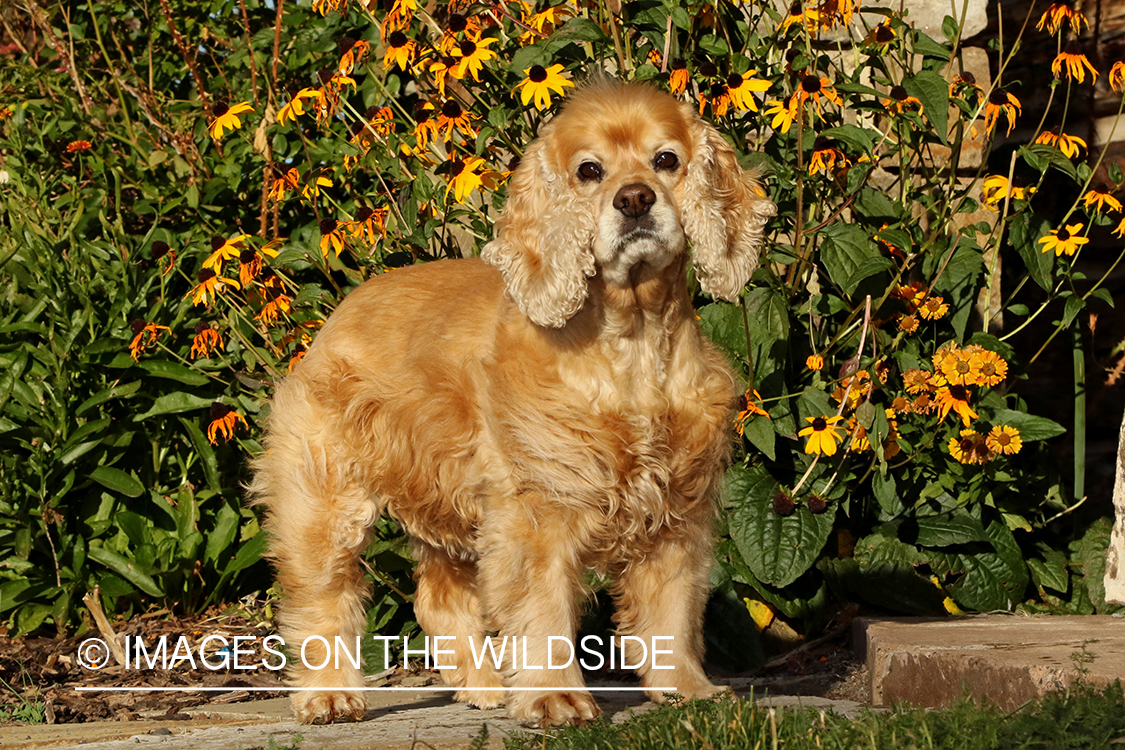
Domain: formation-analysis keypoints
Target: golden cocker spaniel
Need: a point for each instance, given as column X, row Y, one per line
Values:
column 550, row 408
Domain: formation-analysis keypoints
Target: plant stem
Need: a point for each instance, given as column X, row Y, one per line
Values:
column 1079, row 415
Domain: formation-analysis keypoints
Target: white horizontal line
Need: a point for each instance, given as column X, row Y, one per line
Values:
column 436, row 689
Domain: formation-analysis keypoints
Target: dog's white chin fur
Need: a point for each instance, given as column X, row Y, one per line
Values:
column 655, row 245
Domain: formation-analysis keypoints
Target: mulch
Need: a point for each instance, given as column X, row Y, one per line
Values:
column 49, row 670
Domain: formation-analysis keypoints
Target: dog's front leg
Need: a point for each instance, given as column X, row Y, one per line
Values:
column 530, row 577
column 660, row 599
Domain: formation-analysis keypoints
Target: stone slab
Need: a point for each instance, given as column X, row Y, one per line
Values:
column 1007, row 659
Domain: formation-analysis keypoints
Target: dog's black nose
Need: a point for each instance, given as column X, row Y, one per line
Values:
column 634, row 200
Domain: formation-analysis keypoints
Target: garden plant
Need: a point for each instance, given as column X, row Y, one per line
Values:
column 189, row 187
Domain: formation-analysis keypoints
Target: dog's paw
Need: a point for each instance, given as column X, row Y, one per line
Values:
column 327, row 706
column 554, row 709
column 480, row 698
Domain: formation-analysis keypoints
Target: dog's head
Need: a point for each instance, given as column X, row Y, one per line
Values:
column 619, row 178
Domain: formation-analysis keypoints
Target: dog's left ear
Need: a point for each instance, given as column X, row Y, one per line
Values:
column 724, row 211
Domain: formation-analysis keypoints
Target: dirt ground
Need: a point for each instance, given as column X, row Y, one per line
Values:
column 45, row 672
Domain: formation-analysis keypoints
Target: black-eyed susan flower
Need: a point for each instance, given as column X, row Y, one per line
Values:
column 472, row 56
column 1064, row 240
column 1074, row 63
column 539, row 84
column 454, row 116
column 209, row 287
column 250, row 263
column 881, row 35
column 813, row 88
column 352, row 53
column 274, row 297
column 313, row 184
column 678, row 76
column 954, row 398
column 1001, row 103
column 291, row 180
column 223, row 250
column 205, row 341
column 992, row 368
column 860, row 442
column 163, row 255
column 783, row 504
column 1070, row 145
column 742, row 87
column 783, row 115
column 226, row 118
column 467, row 175
column 798, row 14
column 1099, row 199
column 144, row 335
column 1117, row 76
column 964, row 84
column 296, row 105
column 400, row 51
column 1004, row 440
column 969, row 448
column 899, row 101
column 223, row 422
column 934, row 308
column 78, row 146
column 822, row 434
column 814, row 362
column 541, row 24
column 369, row 224
column 996, row 188
column 399, row 16
column 1059, row 13
column 826, row 158
column 332, row 235
column 440, row 69
column 749, row 405
column 323, row 7
column 718, row 96
column 832, row 10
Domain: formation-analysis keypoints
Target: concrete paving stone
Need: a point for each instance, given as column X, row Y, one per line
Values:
column 1007, row 659
column 396, row 719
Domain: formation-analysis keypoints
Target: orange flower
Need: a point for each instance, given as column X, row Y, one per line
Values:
column 934, row 308
column 226, row 118
column 1059, row 13
column 223, row 421
column 678, row 76
column 144, row 336
column 274, row 297
column 206, row 340
column 209, row 286
column 75, row 146
column 1005, row 440
column 1117, row 76
column 224, row 250
column 814, row 362
column 954, row 398
column 1074, row 63
column 1001, row 102
column 331, row 236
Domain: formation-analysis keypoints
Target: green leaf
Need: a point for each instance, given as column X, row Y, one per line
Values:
column 173, row 371
column 205, row 451
column 848, row 254
column 1024, row 231
column 777, row 549
column 933, row 91
column 723, row 323
column 1031, row 428
column 125, row 568
column 223, row 533
column 118, row 481
column 859, row 140
column 760, row 432
column 943, row 531
column 1049, row 572
column 249, row 553
column 174, row 403
column 950, row 28
column 580, row 29
column 714, row 45
column 118, row 391
column 1074, row 305
column 924, row 45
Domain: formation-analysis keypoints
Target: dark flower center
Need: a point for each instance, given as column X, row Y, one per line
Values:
column 734, row 81
column 364, row 213
column 898, row 93
column 998, row 98
column 968, row 77
column 456, row 168
column 205, row 275
column 718, row 90
column 966, row 445
column 816, row 504
column 679, row 64
column 513, row 163
column 451, row 109
column 988, row 369
column 795, row 8
column 159, row 248
column 136, row 326
column 247, row 256
column 397, row 39
column 217, row 242
column 819, row 424
column 468, row 48
column 200, row 327
column 811, row 84
column 1063, row 235
column 457, row 23
column 326, row 75
column 421, row 112
column 220, row 109
column 1073, row 49
column 346, row 44
column 959, row 392
column 328, row 225
column 884, row 34
column 707, row 69
column 783, row 504
column 219, row 411
column 537, row 74
column 1004, row 439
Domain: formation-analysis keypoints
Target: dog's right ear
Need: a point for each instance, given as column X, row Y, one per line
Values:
column 543, row 245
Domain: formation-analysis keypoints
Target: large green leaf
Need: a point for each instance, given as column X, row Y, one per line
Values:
column 118, row 481
column 932, row 90
column 1031, row 428
column 125, row 568
column 849, row 255
column 777, row 549
column 174, row 403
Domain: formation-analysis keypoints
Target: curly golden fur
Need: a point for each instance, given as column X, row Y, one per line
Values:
column 549, row 409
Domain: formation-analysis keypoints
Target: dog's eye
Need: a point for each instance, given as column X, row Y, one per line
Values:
column 589, row 170
column 665, row 161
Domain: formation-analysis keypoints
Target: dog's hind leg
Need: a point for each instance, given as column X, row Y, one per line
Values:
column 446, row 604
column 319, row 523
